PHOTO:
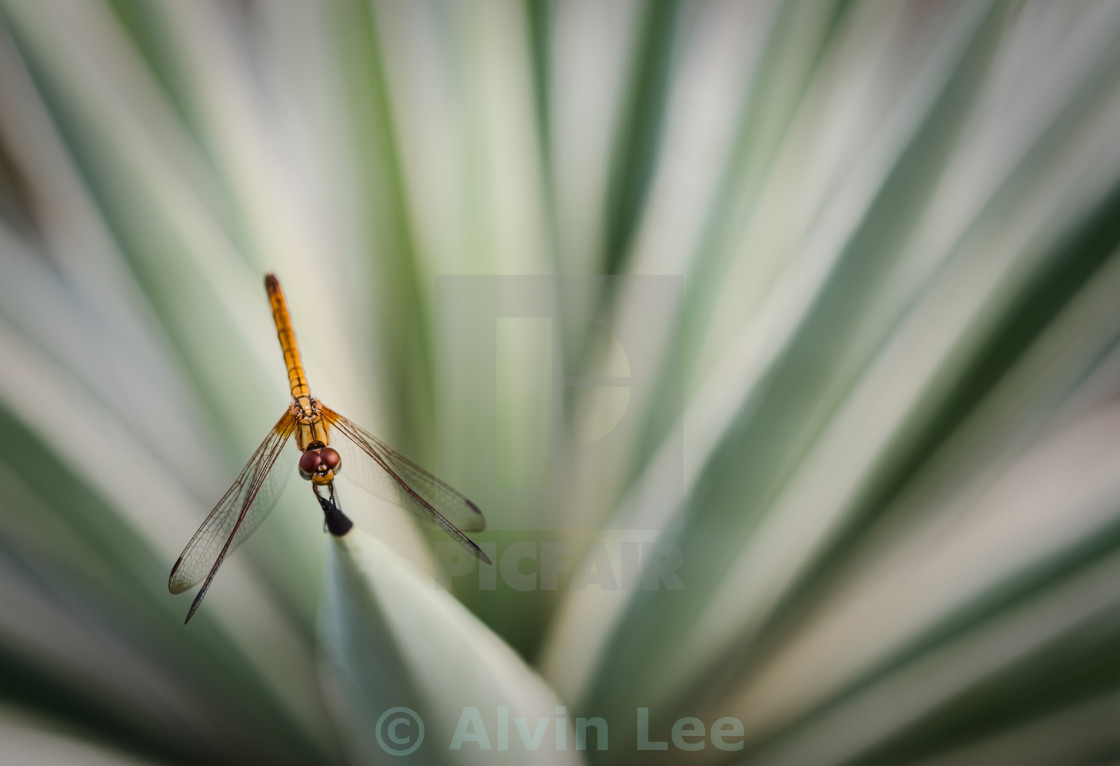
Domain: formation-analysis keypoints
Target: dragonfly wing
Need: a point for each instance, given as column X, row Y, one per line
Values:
column 240, row 511
column 378, row 468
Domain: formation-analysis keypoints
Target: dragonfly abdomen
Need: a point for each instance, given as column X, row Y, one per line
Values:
column 297, row 381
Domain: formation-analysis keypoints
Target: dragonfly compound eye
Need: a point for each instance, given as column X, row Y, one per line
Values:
column 309, row 463
column 331, row 459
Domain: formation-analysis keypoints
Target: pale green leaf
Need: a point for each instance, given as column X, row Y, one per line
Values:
column 391, row 638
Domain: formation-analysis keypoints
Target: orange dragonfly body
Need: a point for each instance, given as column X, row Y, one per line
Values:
column 371, row 462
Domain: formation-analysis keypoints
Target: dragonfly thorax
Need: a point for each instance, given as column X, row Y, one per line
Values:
column 319, row 464
column 311, row 430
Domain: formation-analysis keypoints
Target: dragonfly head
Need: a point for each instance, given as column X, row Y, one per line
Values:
column 319, row 464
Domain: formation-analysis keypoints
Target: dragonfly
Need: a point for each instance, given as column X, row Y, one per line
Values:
column 370, row 462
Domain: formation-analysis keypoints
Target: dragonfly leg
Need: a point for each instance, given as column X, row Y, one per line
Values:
column 336, row 522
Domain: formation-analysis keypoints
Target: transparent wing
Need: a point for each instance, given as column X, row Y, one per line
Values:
column 378, row 468
column 240, row 511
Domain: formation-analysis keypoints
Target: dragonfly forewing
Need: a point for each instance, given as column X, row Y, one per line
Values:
column 378, row 468
column 241, row 510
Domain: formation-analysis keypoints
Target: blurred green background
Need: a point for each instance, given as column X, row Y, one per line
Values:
column 810, row 304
